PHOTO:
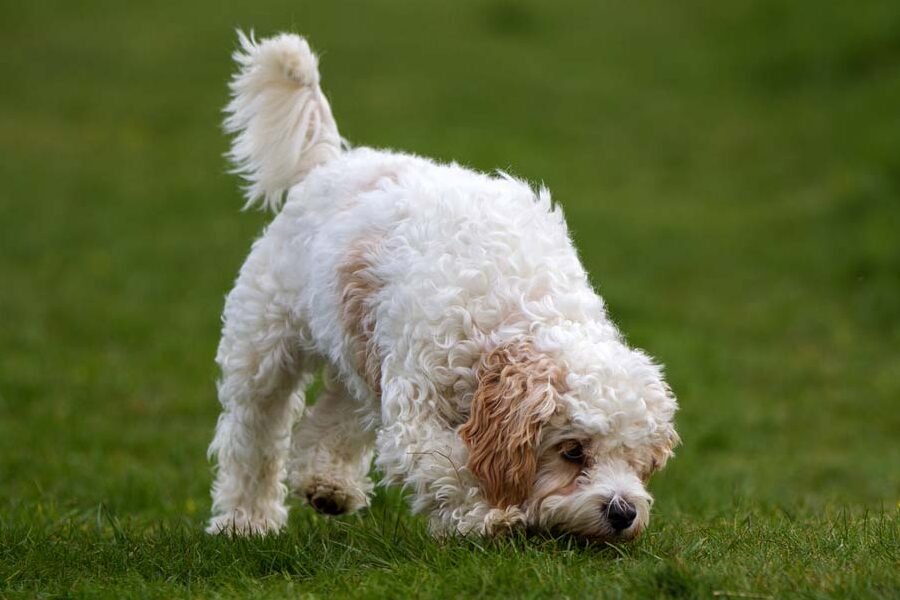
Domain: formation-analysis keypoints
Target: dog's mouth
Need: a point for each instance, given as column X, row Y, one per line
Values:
column 591, row 520
column 597, row 534
column 583, row 538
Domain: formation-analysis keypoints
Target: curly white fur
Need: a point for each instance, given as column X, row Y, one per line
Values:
column 462, row 341
column 282, row 119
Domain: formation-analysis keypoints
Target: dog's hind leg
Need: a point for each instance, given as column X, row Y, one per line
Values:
column 264, row 373
column 331, row 452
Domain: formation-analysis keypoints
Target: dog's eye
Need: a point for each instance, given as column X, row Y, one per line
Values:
column 574, row 453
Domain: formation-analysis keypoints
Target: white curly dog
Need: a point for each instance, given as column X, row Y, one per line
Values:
column 460, row 339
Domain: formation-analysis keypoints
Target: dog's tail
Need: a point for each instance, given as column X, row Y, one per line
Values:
column 282, row 119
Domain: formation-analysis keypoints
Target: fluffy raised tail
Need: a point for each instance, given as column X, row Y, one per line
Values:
column 282, row 119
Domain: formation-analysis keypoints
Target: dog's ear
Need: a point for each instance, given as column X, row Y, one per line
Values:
column 665, row 440
column 516, row 395
column 662, row 450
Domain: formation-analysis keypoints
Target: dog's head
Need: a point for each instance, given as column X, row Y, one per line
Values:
column 571, row 436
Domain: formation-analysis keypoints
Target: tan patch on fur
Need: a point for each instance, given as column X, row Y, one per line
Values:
column 515, row 397
column 661, row 453
column 359, row 286
column 555, row 480
column 647, row 461
column 556, row 476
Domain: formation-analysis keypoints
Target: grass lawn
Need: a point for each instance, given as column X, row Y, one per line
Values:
column 731, row 173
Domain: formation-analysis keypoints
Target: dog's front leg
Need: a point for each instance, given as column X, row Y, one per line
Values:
column 418, row 449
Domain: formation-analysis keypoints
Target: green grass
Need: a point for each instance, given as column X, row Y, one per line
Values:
column 731, row 173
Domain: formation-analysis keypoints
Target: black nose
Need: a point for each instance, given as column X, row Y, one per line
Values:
column 620, row 514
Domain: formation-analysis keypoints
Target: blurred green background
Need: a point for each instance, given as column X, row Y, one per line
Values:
column 730, row 172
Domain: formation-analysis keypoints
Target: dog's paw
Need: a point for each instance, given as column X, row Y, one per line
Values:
column 238, row 523
column 503, row 521
column 332, row 497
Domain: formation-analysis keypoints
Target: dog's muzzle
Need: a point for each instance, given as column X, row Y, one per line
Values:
column 619, row 513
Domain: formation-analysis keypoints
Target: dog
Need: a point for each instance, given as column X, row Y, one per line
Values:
column 461, row 343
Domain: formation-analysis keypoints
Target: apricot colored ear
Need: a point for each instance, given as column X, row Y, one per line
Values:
column 516, row 395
